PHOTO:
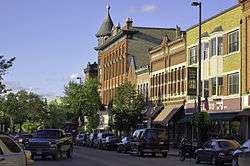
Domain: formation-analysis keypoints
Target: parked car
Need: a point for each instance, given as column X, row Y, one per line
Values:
column 217, row 151
column 150, row 141
column 124, row 144
column 241, row 157
column 22, row 138
column 81, row 139
column 91, row 139
column 110, row 143
column 11, row 153
column 50, row 142
column 101, row 139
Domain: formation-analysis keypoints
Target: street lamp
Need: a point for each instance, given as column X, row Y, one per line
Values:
column 198, row 4
column 80, row 79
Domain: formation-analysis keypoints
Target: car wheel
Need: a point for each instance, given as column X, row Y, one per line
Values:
column 165, row 154
column 197, row 160
column 57, row 155
column 235, row 162
column 140, row 153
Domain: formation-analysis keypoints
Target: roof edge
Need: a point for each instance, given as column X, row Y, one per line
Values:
column 217, row 15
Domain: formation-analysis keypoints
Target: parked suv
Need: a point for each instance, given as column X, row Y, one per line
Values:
column 48, row 142
column 150, row 141
column 11, row 153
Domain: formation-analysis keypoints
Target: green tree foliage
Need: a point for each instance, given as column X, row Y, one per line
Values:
column 83, row 100
column 18, row 108
column 200, row 120
column 4, row 66
column 56, row 116
column 127, row 108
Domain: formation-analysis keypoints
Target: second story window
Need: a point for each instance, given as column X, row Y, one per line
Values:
column 233, row 41
column 233, row 83
column 206, row 88
column 220, row 86
column 213, row 83
column 216, row 46
column 192, row 55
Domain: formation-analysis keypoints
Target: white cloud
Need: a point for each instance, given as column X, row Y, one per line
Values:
column 147, row 8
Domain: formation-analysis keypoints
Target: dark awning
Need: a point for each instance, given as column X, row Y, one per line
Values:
column 224, row 116
column 244, row 113
column 167, row 113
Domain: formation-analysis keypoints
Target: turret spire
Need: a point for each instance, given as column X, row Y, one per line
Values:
column 107, row 25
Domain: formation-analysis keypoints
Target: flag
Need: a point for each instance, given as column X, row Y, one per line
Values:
column 206, row 105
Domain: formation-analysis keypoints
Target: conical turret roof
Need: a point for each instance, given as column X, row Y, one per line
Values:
column 107, row 25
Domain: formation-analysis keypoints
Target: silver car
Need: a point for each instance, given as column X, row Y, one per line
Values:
column 11, row 153
column 241, row 157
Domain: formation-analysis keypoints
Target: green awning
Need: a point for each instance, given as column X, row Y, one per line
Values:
column 213, row 117
column 222, row 116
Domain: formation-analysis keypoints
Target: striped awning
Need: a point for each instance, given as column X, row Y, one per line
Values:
column 167, row 113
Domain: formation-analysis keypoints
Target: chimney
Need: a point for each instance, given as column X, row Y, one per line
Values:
column 129, row 23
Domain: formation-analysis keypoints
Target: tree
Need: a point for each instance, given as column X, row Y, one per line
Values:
column 83, row 100
column 4, row 65
column 127, row 108
column 56, row 116
column 200, row 120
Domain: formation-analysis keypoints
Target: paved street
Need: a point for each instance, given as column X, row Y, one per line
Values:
column 93, row 157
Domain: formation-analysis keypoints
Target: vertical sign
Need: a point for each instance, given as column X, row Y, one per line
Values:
column 192, row 81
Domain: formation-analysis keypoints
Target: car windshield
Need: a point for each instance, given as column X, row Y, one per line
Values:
column 228, row 144
column 47, row 134
column 156, row 134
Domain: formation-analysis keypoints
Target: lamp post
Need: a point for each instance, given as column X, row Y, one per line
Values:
column 80, row 79
column 198, row 4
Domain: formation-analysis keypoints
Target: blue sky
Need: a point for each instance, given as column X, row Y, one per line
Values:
column 53, row 40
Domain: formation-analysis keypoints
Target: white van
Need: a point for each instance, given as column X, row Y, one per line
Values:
column 11, row 153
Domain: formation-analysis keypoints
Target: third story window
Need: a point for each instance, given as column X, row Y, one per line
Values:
column 233, row 41
column 192, row 55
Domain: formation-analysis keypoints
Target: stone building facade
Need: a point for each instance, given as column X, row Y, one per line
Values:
column 122, row 50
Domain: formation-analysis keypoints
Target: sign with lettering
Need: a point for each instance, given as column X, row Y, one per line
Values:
column 192, row 81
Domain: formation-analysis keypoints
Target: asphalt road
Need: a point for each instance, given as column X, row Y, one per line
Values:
column 93, row 157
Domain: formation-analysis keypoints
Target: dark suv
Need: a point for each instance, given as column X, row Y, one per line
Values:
column 150, row 141
column 48, row 142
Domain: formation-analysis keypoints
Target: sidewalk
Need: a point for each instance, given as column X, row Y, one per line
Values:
column 173, row 152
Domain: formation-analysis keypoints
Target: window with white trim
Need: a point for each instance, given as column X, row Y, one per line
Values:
column 205, row 88
column 213, row 85
column 192, row 55
column 204, row 50
column 233, row 41
column 217, row 46
column 233, row 83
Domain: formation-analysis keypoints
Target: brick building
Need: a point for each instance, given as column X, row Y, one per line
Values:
column 168, row 81
column 122, row 50
column 245, row 26
column 220, row 68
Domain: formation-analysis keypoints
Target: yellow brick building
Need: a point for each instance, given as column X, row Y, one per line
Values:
column 220, row 65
